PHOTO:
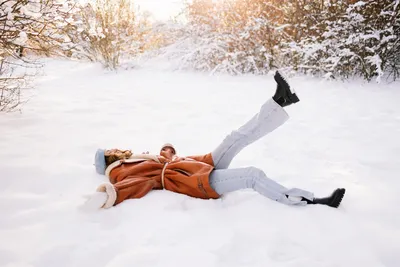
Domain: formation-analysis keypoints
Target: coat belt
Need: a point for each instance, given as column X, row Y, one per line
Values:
column 162, row 175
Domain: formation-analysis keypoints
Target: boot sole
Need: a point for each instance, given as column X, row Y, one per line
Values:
column 281, row 78
column 337, row 200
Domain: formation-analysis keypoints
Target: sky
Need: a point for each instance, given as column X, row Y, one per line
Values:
column 161, row 9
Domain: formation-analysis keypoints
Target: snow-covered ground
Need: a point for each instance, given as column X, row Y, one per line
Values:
column 339, row 135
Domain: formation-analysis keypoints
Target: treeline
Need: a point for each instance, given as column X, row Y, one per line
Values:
column 336, row 38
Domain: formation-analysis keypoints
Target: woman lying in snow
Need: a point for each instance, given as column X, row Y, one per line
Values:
column 206, row 176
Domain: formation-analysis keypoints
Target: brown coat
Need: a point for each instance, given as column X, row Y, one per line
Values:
column 189, row 177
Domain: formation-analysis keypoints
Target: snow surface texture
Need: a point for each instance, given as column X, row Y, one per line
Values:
column 339, row 135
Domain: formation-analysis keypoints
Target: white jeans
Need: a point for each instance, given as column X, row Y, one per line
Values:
column 223, row 180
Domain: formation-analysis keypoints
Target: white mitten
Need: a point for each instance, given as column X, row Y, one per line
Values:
column 104, row 197
column 95, row 201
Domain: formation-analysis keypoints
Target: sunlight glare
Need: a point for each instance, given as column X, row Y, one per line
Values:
column 160, row 9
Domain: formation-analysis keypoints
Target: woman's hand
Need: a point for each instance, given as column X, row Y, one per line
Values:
column 163, row 159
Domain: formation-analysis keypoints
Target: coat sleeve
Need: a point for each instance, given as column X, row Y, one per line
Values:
column 133, row 187
column 207, row 158
column 130, row 187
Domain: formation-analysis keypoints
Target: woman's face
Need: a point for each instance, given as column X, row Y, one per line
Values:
column 167, row 152
column 121, row 154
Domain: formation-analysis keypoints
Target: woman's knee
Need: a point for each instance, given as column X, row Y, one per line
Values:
column 254, row 171
column 253, row 175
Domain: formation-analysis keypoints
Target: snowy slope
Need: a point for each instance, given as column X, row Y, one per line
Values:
column 339, row 135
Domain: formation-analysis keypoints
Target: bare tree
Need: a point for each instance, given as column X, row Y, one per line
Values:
column 107, row 30
column 28, row 27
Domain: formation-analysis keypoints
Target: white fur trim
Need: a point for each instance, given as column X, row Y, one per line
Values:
column 111, row 167
column 132, row 159
column 111, row 193
column 143, row 157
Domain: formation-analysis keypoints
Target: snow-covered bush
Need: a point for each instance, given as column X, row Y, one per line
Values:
column 107, row 30
column 339, row 38
column 223, row 37
column 359, row 41
column 27, row 27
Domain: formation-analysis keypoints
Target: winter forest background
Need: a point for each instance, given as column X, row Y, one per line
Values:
column 337, row 39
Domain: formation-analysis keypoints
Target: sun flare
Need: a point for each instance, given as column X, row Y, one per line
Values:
column 160, row 9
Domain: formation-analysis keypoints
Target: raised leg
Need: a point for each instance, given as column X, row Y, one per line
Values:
column 269, row 118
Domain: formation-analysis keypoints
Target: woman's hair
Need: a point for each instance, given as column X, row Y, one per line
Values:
column 110, row 159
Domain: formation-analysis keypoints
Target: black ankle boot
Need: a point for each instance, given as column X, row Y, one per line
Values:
column 333, row 200
column 284, row 95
